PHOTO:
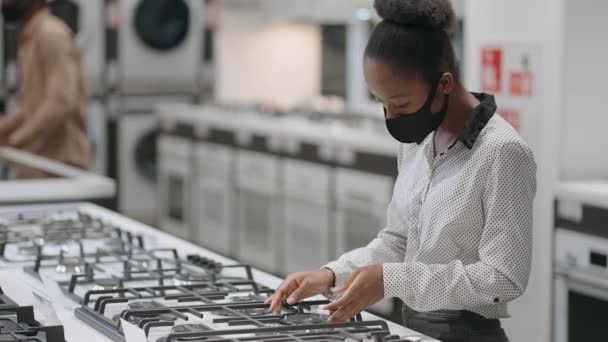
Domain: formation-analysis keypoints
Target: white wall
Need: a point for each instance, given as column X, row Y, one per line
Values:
column 534, row 22
column 583, row 142
column 271, row 62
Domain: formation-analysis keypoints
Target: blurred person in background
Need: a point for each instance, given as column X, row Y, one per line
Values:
column 457, row 247
column 51, row 116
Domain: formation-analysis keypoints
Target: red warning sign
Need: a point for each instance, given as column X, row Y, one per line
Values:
column 521, row 84
column 491, row 70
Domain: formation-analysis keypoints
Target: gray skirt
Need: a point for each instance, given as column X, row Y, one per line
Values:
column 454, row 326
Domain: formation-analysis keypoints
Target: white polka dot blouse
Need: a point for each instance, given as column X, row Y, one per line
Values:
column 459, row 231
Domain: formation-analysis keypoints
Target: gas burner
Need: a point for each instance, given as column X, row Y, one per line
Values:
column 115, row 245
column 187, row 328
column 146, row 306
column 304, row 318
column 28, row 249
column 141, row 261
column 249, row 312
column 191, row 278
column 60, row 247
column 70, row 266
column 106, row 284
column 205, row 263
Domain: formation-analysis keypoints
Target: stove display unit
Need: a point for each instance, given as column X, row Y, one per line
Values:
column 64, row 235
column 218, row 312
column 114, row 270
column 18, row 323
column 147, row 277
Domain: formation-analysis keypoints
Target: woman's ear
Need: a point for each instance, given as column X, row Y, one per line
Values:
column 447, row 83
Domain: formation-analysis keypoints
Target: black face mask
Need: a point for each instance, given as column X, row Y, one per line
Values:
column 13, row 13
column 415, row 127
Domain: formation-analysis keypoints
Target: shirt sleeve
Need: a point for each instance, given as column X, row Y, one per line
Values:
column 60, row 66
column 389, row 246
column 505, row 248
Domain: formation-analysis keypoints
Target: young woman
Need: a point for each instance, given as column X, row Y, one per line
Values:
column 457, row 246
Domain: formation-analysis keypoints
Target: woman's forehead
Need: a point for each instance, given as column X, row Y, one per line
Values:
column 387, row 80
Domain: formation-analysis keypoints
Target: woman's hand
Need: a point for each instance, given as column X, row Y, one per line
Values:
column 364, row 288
column 301, row 285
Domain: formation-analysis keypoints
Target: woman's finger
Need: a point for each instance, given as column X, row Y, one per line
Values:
column 277, row 301
column 345, row 300
column 343, row 314
column 298, row 294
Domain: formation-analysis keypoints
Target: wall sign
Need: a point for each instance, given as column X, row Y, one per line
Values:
column 491, row 70
column 512, row 72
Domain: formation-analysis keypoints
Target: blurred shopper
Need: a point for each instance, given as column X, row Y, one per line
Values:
column 51, row 119
column 458, row 244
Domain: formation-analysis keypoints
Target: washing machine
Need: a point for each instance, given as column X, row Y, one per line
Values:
column 137, row 166
column 160, row 46
column 87, row 19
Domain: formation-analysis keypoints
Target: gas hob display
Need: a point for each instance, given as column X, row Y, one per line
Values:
column 111, row 275
column 66, row 235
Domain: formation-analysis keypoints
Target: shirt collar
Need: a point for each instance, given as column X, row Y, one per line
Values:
column 478, row 119
column 33, row 24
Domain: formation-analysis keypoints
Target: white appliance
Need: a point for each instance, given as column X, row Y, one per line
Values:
column 214, row 194
column 306, row 174
column 259, row 218
column 361, row 202
column 175, row 186
column 580, row 261
column 137, row 166
column 580, row 287
column 160, row 46
column 364, row 179
column 307, row 215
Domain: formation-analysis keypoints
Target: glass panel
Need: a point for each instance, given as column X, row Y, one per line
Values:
column 175, row 200
column 162, row 24
column 586, row 318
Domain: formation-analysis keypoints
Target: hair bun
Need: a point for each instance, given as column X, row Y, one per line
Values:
column 433, row 14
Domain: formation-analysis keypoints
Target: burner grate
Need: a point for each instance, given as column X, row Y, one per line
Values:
column 291, row 319
column 18, row 323
column 165, row 279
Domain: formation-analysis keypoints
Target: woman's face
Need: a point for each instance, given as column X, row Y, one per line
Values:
column 400, row 93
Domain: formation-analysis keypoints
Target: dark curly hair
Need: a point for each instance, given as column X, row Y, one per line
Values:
column 415, row 37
